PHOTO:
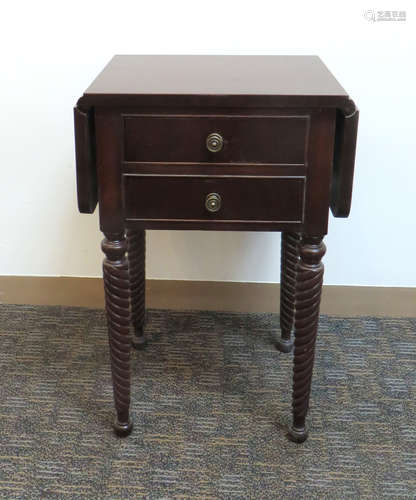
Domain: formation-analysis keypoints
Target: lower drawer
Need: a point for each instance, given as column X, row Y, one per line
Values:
column 213, row 198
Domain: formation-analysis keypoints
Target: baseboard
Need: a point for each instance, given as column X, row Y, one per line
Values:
column 208, row 295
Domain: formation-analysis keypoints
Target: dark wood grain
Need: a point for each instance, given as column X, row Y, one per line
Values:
column 117, row 300
column 109, row 146
column 288, row 269
column 318, row 180
column 85, row 161
column 143, row 80
column 309, row 276
column 136, row 248
column 247, row 139
column 289, row 133
column 344, row 160
column 207, row 169
column 175, row 197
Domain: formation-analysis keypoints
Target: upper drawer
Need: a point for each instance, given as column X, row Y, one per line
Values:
column 276, row 139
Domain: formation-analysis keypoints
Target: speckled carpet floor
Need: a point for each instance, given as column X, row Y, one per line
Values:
column 211, row 404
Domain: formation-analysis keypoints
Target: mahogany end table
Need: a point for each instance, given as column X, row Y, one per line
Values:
column 224, row 143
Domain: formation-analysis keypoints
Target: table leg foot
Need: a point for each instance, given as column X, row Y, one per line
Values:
column 122, row 429
column 139, row 340
column 284, row 345
column 298, row 435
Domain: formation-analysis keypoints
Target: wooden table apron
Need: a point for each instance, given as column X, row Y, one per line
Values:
column 280, row 168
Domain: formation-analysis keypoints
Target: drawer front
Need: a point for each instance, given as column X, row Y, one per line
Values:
column 214, row 198
column 243, row 139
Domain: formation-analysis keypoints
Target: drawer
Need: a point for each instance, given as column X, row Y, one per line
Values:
column 278, row 139
column 219, row 198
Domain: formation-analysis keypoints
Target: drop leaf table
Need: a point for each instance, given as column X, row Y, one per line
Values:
column 224, row 143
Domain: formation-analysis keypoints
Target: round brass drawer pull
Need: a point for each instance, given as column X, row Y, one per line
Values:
column 215, row 142
column 213, row 202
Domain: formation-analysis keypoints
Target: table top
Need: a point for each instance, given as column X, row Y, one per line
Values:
column 215, row 79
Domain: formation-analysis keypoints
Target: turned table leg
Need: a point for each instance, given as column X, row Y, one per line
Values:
column 309, row 278
column 136, row 249
column 117, row 303
column 289, row 260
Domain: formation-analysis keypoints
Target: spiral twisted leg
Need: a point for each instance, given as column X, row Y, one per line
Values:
column 136, row 249
column 310, row 272
column 117, row 300
column 289, row 260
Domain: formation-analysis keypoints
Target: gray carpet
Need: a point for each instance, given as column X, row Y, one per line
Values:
column 211, row 404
